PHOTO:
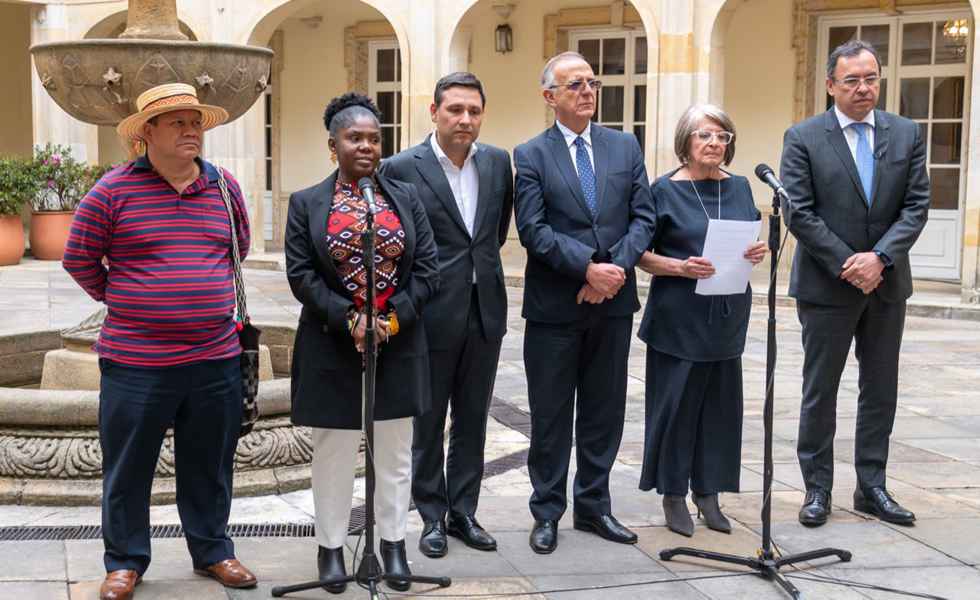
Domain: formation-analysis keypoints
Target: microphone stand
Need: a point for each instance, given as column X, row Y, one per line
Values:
column 765, row 563
column 369, row 573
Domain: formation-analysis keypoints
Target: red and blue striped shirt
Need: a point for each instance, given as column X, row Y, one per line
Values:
column 169, row 287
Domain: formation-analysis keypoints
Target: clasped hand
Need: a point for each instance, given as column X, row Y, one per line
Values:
column 863, row 271
column 603, row 282
column 381, row 332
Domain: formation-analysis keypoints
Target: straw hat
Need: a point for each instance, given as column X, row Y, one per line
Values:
column 166, row 98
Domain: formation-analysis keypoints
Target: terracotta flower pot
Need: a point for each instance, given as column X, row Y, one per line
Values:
column 11, row 239
column 49, row 233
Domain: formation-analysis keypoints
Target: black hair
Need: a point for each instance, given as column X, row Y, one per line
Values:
column 343, row 110
column 850, row 50
column 458, row 79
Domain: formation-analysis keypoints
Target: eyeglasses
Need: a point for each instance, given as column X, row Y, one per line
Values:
column 707, row 136
column 853, row 83
column 577, row 85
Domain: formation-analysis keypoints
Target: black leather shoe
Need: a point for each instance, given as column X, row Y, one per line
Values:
column 544, row 536
column 396, row 565
column 330, row 565
column 433, row 541
column 605, row 526
column 878, row 502
column 816, row 508
column 473, row 535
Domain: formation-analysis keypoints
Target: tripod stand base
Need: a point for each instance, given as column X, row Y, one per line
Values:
column 369, row 575
column 766, row 566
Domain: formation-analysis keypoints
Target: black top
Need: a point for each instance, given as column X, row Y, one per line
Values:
column 676, row 320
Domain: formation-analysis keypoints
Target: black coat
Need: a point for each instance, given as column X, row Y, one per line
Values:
column 559, row 232
column 326, row 371
column 829, row 214
column 459, row 253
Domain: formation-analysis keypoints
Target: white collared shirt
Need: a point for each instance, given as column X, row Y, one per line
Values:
column 570, row 137
column 851, row 136
column 465, row 182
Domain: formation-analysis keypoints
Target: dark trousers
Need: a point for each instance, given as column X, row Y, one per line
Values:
column 575, row 367
column 876, row 327
column 202, row 402
column 693, row 425
column 462, row 380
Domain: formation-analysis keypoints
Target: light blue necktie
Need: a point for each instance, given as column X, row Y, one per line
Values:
column 586, row 176
column 865, row 159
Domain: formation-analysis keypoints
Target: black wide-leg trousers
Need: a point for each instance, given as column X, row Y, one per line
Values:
column 693, row 425
column 576, row 375
column 202, row 402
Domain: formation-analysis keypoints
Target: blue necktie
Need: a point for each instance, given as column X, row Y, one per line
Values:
column 586, row 176
column 865, row 159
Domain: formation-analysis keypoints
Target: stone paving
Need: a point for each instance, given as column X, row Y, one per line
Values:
column 934, row 469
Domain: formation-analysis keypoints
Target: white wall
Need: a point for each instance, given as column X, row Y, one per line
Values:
column 760, row 72
column 16, row 133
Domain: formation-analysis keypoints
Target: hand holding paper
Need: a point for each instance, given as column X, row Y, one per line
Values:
column 725, row 245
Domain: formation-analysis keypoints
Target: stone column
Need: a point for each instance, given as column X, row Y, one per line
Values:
column 49, row 23
column 970, row 278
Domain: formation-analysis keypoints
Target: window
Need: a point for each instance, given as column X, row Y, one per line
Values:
column 385, row 81
column 619, row 59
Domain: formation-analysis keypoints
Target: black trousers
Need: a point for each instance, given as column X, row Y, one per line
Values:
column 575, row 368
column 876, row 327
column 202, row 402
column 462, row 381
column 693, row 425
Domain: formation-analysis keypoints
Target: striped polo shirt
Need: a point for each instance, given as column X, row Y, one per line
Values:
column 169, row 287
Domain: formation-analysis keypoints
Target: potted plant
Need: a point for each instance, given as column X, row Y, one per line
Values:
column 16, row 187
column 62, row 182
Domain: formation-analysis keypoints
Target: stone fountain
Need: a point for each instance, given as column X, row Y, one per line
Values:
column 49, row 450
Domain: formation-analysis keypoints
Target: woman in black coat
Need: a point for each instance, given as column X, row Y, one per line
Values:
column 325, row 271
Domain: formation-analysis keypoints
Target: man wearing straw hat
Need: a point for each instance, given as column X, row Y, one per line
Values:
column 168, row 350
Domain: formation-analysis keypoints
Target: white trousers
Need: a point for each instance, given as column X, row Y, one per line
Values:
column 334, row 462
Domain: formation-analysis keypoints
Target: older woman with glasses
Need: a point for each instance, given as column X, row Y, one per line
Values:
column 695, row 342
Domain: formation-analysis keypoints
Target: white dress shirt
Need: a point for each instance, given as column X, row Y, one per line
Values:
column 570, row 137
column 851, row 136
column 465, row 182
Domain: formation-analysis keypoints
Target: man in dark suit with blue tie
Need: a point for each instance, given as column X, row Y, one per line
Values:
column 585, row 216
column 467, row 190
column 859, row 194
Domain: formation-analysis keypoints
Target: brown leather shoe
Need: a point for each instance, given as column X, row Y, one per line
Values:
column 229, row 573
column 118, row 585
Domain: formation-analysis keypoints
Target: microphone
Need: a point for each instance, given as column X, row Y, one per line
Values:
column 764, row 172
column 367, row 190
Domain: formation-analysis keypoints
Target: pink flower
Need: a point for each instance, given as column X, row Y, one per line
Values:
column 51, row 183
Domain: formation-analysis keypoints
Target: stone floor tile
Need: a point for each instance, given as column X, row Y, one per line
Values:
column 740, row 542
column 461, row 560
column 170, row 560
column 38, row 561
column 281, row 559
column 156, row 589
column 615, row 587
column 34, row 590
column 953, row 583
column 577, row 553
column 873, row 544
column 956, row 537
column 936, row 475
column 755, row 588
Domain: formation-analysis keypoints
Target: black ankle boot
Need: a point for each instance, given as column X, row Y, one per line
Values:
column 330, row 565
column 395, row 565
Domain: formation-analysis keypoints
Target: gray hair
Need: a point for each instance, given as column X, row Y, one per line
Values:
column 850, row 50
column 548, row 73
column 688, row 124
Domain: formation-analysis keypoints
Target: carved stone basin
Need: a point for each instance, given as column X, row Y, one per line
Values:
column 98, row 81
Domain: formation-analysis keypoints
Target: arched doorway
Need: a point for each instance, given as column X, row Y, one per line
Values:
column 323, row 48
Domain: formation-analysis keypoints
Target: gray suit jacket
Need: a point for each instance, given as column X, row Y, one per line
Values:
column 829, row 214
column 459, row 253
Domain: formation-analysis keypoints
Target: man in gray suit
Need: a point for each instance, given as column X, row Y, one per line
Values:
column 859, row 194
column 468, row 191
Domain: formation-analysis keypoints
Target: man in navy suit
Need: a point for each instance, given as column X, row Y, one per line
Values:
column 585, row 216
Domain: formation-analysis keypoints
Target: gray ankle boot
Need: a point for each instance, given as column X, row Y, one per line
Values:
column 677, row 515
column 709, row 510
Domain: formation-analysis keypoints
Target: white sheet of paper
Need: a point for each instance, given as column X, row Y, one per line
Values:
column 725, row 246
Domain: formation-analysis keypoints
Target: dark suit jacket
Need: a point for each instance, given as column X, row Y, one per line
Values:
column 830, row 217
column 559, row 232
column 459, row 253
column 326, row 371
